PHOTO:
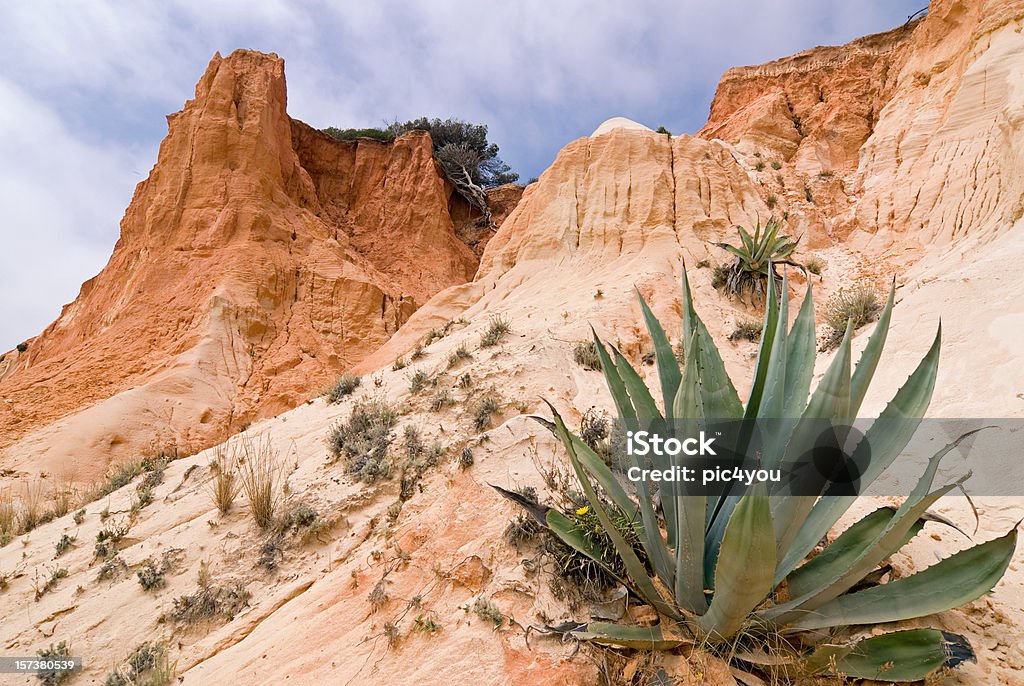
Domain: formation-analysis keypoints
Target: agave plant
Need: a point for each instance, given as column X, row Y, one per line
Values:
column 733, row 569
column 756, row 259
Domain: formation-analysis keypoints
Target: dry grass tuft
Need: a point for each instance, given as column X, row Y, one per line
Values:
column 260, row 472
column 225, row 483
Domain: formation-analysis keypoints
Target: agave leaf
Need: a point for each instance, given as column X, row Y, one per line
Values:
column 900, row 656
column 623, row 404
column 770, row 330
column 773, row 384
column 954, row 581
column 668, row 366
column 746, row 560
column 885, row 439
column 800, row 354
column 868, row 361
column 763, row 251
column 843, row 551
column 718, row 394
column 636, row 637
column 902, row 522
column 690, row 509
column 831, row 400
column 749, row 244
column 645, row 586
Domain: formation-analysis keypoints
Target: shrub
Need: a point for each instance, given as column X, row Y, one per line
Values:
column 151, row 575
column 466, row 458
column 209, row 601
column 757, row 257
column 63, row 544
column 814, row 266
column 224, row 483
column 301, row 515
column 442, row 399
column 486, row 610
column 8, row 515
column 746, row 330
column 260, row 473
column 149, row 660
column 417, row 352
column 585, row 355
column 663, row 130
column 80, row 516
column 344, row 386
column 354, row 134
column 458, row 355
column 31, row 506
column 22, row 347
column 856, row 305
column 776, row 165
column 56, row 652
column 399, row 364
column 807, row 194
column 483, row 410
column 759, row 166
column 737, row 582
column 110, row 535
column 771, row 201
column 50, row 582
column 496, row 330
column 418, row 381
column 363, row 440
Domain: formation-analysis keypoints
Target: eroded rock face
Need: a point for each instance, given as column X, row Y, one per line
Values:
column 258, row 259
column 912, row 134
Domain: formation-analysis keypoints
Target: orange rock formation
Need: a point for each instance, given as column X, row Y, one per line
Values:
column 258, row 259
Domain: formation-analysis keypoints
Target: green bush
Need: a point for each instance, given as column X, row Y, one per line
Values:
column 344, row 386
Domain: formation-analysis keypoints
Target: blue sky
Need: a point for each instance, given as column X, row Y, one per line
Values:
column 85, row 87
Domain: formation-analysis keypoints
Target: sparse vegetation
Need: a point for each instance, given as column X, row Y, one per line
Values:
column 399, row 364
column 260, row 473
column 48, row 582
column 497, row 329
column 759, row 166
column 486, row 610
column 814, row 266
column 149, row 660
column 363, row 440
column 585, row 355
column 703, row 264
column 344, row 386
column 224, row 482
column 113, row 567
column 458, row 355
column 418, row 352
column 771, row 201
column 466, row 458
column 210, row 601
column 8, row 517
column 857, row 305
column 807, row 194
column 110, row 535
column 418, row 381
column 746, row 330
column 152, row 574
column 63, row 544
column 79, row 516
column 442, row 399
column 58, row 652
column 22, row 347
column 776, row 165
column 482, row 411
column 757, row 257
column 425, row 624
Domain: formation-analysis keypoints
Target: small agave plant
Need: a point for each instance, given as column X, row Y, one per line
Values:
column 757, row 257
column 733, row 570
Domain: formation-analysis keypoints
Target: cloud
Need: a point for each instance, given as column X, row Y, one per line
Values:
column 86, row 84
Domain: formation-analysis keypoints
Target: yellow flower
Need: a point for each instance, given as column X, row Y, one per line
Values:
column 583, row 510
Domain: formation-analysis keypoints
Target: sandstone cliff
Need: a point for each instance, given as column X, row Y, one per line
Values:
column 258, row 259
column 617, row 210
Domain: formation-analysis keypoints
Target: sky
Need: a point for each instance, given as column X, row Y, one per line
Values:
column 85, row 87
